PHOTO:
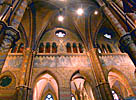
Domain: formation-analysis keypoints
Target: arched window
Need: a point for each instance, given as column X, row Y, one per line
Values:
column 80, row 48
column 47, row 49
column 99, row 49
column 21, row 48
column 109, row 48
column 74, row 48
column 68, row 46
column 41, row 48
column 14, row 49
column 104, row 48
column 49, row 97
column 115, row 96
column 73, row 97
column 54, row 48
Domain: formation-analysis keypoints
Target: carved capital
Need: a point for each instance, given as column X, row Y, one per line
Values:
column 126, row 40
column 12, row 34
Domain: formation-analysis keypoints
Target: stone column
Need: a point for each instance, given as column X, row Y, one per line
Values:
column 129, row 46
column 115, row 6
column 26, row 70
column 102, row 84
column 78, row 51
column 121, row 31
column 133, row 15
column 64, row 90
column 51, row 47
column 11, row 36
column 5, row 9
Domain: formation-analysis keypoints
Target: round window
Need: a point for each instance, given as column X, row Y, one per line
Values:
column 5, row 81
column 60, row 33
column 49, row 97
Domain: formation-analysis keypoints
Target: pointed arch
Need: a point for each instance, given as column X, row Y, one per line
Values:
column 43, row 84
column 115, row 76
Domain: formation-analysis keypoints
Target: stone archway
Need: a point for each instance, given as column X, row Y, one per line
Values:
column 81, row 88
column 45, row 84
column 119, row 83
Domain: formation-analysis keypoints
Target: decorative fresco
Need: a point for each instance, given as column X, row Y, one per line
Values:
column 62, row 61
column 115, row 60
column 13, row 61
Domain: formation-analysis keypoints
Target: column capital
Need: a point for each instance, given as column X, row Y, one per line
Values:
column 12, row 32
column 125, row 40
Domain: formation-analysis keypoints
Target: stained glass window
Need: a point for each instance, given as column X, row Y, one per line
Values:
column 115, row 96
column 49, row 97
column 5, row 81
column 60, row 33
column 73, row 97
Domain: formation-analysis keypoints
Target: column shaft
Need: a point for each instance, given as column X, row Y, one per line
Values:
column 102, row 85
column 120, row 3
column 26, row 70
column 64, row 90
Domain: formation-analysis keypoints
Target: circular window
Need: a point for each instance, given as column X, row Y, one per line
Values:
column 5, row 81
column 49, row 97
column 60, row 33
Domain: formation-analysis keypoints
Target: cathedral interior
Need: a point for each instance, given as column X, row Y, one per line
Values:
column 67, row 50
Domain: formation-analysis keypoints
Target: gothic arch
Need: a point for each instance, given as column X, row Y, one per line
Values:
column 115, row 76
column 79, row 83
column 43, row 84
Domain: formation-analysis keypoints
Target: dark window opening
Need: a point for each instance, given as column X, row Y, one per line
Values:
column 80, row 48
column 21, row 48
column 74, row 48
column 109, row 48
column 54, row 48
column 41, row 48
column 14, row 49
column 68, row 46
column 47, row 49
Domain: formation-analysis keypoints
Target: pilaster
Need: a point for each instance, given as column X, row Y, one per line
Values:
column 25, row 78
column 64, row 90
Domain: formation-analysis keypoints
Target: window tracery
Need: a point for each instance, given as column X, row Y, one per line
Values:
column 49, row 97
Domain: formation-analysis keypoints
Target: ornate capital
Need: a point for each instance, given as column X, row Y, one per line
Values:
column 126, row 40
column 12, row 34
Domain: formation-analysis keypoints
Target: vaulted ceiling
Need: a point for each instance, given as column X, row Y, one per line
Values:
column 42, row 16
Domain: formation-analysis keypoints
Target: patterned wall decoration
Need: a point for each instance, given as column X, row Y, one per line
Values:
column 115, row 60
column 62, row 61
column 13, row 61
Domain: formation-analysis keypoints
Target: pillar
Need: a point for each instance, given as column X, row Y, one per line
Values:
column 121, row 32
column 5, row 9
column 115, row 6
column 133, row 15
column 102, row 84
column 26, row 70
column 129, row 46
column 11, row 36
column 78, row 51
column 64, row 90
